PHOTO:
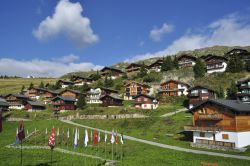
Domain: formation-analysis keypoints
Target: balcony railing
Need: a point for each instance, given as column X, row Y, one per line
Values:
column 210, row 117
column 198, row 128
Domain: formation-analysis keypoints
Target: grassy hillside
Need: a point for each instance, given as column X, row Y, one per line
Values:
column 14, row 85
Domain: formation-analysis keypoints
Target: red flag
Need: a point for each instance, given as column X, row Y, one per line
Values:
column 95, row 137
column 21, row 134
column 116, row 137
column 52, row 138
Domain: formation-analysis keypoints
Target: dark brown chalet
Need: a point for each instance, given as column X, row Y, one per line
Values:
column 16, row 101
column 220, row 124
column 78, row 80
column 156, row 66
column 111, row 100
column 186, row 61
column 243, row 90
column 143, row 101
column 111, row 72
column 62, row 103
column 65, row 83
column 4, row 106
column 133, row 68
column 173, row 88
column 33, row 106
column 241, row 53
column 198, row 94
column 71, row 93
column 107, row 91
column 215, row 63
column 36, row 93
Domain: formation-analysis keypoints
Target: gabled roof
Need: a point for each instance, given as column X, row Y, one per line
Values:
column 3, row 102
column 243, row 81
column 35, row 103
column 20, row 96
column 82, row 78
column 108, row 89
column 64, row 98
column 157, row 62
column 110, row 68
column 187, row 56
column 141, row 84
column 133, row 64
column 237, row 50
column 147, row 96
column 233, row 105
column 66, row 82
column 200, row 87
column 177, row 81
column 112, row 96
column 215, row 57
column 71, row 90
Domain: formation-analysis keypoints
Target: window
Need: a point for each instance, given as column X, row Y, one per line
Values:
column 225, row 136
column 204, row 91
column 202, row 134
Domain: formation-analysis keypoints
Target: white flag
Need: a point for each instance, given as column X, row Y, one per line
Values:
column 58, row 132
column 99, row 136
column 121, row 139
column 78, row 134
column 68, row 133
column 112, row 140
column 106, row 137
column 75, row 140
column 86, row 140
column 27, row 132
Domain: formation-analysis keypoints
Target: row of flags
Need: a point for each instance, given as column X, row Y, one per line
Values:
column 95, row 137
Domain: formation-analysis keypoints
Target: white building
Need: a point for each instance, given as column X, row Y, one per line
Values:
column 216, row 64
column 94, row 95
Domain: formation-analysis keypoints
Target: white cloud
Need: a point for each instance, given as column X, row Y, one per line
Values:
column 67, row 20
column 67, row 59
column 232, row 30
column 43, row 68
column 156, row 34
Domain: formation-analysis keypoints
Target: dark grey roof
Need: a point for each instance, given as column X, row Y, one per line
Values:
column 35, row 103
column 3, row 102
column 67, row 82
column 114, row 96
column 65, row 98
column 200, row 87
column 234, row 105
column 150, row 97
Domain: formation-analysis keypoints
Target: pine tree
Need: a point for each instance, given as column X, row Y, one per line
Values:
column 247, row 65
column 221, row 93
column 31, row 85
column 22, row 90
column 41, row 85
column 175, row 62
column 235, row 65
column 143, row 70
column 57, row 85
column 95, row 76
column 84, row 88
column 167, row 64
column 81, row 103
column 231, row 92
column 199, row 69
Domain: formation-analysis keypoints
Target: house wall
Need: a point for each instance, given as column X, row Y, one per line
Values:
column 219, row 70
column 69, row 94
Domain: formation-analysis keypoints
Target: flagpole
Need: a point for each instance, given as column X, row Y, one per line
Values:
column 21, row 153
column 112, row 151
column 51, row 156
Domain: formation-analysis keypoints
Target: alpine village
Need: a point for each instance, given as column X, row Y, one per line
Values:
column 190, row 102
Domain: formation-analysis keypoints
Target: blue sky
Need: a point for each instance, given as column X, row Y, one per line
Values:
column 40, row 36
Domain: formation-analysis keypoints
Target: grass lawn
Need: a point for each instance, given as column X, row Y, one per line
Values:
column 134, row 153
column 14, row 85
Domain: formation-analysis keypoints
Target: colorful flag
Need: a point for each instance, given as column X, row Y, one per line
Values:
column 116, row 138
column 95, row 137
column 21, row 133
column 52, row 138
column 86, row 139
column 105, row 137
column 75, row 139
column 99, row 136
column 17, row 141
column 121, row 139
column 112, row 140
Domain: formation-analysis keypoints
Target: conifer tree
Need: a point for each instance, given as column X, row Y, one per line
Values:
column 247, row 65
column 81, row 103
column 221, row 93
column 199, row 69
column 235, row 65
column 231, row 92
column 84, row 87
column 41, row 85
column 22, row 90
column 143, row 70
column 31, row 85
column 167, row 64
column 175, row 62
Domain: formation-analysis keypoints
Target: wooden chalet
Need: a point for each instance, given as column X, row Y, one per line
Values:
column 65, row 83
column 111, row 100
column 215, row 63
column 133, row 68
column 4, row 106
column 16, row 101
column 156, row 66
column 62, row 103
column 111, row 72
column 241, row 53
column 243, row 90
column 37, row 93
column 173, row 88
column 143, row 101
column 94, row 95
column 198, row 94
column 134, row 88
column 33, row 106
column 186, row 61
column 220, row 124
column 79, row 81
column 75, row 94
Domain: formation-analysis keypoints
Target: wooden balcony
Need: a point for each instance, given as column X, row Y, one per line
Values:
column 210, row 117
column 204, row 129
